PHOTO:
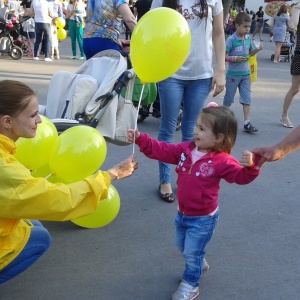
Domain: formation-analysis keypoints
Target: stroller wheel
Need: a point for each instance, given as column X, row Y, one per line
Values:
column 16, row 53
column 272, row 57
column 25, row 49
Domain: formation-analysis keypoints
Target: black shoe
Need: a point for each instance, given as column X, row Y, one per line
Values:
column 168, row 197
column 249, row 128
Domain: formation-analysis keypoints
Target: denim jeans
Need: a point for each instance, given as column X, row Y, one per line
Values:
column 42, row 29
column 172, row 93
column 38, row 243
column 192, row 236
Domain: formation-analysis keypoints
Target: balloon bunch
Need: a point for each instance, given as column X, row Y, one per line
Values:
column 61, row 32
column 71, row 156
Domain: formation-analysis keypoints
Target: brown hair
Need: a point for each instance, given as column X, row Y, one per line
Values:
column 242, row 17
column 223, row 122
column 14, row 97
column 282, row 10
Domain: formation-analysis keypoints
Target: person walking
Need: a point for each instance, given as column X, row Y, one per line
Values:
column 200, row 166
column 259, row 25
column 280, row 30
column 75, row 28
column 192, row 83
column 23, row 238
column 239, row 47
column 295, row 70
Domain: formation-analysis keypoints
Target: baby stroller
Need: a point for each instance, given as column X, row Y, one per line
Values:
column 91, row 97
column 286, row 49
column 9, row 35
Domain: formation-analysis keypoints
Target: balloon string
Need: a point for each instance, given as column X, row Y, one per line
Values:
column 48, row 176
column 137, row 115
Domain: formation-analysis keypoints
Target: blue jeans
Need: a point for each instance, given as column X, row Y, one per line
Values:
column 42, row 29
column 172, row 93
column 192, row 236
column 38, row 243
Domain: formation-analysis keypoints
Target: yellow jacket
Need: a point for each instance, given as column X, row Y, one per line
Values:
column 25, row 197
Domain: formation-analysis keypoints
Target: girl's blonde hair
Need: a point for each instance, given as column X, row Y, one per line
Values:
column 223, row 123
column 54, row 21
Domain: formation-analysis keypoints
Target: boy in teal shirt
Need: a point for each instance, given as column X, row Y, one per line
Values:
column 239, row 48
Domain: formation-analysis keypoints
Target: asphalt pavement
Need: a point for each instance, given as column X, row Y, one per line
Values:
column 254, row 254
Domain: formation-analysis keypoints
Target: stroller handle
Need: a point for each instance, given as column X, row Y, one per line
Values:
column 105, row 99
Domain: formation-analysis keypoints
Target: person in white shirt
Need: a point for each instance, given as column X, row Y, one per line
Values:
column 42, row 10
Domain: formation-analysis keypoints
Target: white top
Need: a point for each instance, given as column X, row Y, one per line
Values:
column 198, row 65
column 41, row 11
column 79, row 6
column 28, row 25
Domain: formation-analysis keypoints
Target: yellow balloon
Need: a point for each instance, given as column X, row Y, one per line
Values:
column 160, row 44
column 105, row 213
column 34, row 153
column 77, row 153
column 61, row 34
column 61, row 23
column 45, row 172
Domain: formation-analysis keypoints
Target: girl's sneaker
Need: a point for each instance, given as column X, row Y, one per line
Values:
column 186, row 291
column 72, row 57
column 81, row 58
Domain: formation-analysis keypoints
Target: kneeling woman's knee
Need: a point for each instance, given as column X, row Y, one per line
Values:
column 41, row 238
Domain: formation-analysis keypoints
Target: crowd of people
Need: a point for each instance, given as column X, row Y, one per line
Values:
column 209, row 132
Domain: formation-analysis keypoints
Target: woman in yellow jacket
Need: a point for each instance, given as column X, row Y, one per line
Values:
column 24, row 197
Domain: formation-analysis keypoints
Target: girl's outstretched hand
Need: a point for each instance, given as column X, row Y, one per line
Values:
column 130, row 135
column 124, row 168
column 247, row 159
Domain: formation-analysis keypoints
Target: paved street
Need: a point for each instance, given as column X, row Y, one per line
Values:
column 254, row 254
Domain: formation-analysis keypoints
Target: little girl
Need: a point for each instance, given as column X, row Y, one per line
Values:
column 28, row 27
column 54, row 39
column 201, row 164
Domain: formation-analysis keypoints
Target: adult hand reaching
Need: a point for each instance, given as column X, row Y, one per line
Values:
column 124, row 168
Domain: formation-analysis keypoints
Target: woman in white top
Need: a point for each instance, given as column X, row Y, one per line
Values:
column 75, row 9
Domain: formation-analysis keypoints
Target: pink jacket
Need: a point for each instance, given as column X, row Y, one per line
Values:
column 198, row 183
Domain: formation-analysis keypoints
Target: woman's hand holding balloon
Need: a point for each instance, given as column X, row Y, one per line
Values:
column 124, row 168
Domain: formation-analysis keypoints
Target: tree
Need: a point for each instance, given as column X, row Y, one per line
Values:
column 226, row 6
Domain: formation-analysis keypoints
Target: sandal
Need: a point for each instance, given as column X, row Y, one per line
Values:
column 167, row 197
column 286, row 123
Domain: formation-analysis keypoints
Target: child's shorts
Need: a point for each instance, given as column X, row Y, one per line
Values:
column 31, row 35
column 244, row 85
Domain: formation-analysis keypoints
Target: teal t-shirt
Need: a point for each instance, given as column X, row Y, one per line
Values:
column 236, row 46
